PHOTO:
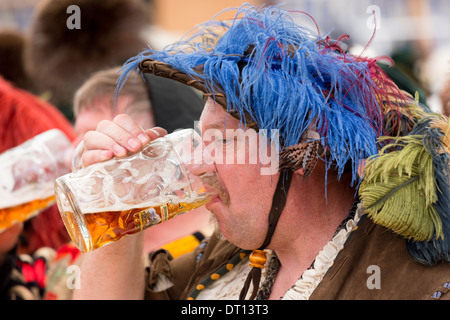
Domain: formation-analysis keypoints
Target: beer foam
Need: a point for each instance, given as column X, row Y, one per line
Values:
column 28, row 171
column 26, row 194
column 97, row 207
column 118, row 185
column 18, row 190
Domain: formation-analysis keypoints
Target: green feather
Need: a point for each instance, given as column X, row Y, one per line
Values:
column 399, row 189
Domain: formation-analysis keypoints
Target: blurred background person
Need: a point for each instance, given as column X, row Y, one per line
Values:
column 12, row 68
column 25, row 247
column 151, row 101
column 415, row 33
column 59, row 59
column 445, row 98
column 23, row 116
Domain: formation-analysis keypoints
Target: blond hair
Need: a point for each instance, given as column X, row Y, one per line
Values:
column 102, row 85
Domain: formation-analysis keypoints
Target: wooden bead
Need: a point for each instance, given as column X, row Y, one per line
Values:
column 258, row 258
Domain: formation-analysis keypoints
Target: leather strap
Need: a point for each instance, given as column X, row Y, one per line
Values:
column 278, row 203
column 254, row 277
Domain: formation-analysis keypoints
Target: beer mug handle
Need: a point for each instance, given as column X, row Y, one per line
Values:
column 76, row 158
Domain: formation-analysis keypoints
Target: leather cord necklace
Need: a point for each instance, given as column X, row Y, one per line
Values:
column 258, row 257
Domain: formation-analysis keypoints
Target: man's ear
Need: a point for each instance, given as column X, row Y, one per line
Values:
column 301, row 158
column 300, row 172
column 303, row 155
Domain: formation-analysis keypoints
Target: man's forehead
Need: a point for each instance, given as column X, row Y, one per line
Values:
column 215, row 117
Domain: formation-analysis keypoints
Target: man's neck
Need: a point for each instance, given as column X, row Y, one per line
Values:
column 307, row 224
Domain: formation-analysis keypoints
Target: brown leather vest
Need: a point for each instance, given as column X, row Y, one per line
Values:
column 374, row 264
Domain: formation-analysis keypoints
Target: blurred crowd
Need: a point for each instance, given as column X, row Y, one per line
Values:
column 52, row 76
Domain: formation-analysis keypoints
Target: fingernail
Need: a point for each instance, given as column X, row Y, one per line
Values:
column 155, row 132
column 143, row 138
column 133, row 143
column 119, row 150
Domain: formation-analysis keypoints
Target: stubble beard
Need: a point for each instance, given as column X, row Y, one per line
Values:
column 215, row 223
column 212, row 180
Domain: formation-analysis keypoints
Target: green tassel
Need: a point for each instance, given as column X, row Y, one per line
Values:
column 398, row 189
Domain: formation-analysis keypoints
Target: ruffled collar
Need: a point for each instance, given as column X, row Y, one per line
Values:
column 230, row 285
column 311, row 278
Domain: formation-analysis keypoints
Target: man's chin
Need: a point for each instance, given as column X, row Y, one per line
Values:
column 215, row 223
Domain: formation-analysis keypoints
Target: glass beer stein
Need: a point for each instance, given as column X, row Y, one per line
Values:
column 28, row 173
column 103, row 202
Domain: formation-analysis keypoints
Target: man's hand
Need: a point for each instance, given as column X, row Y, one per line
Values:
column 115, row 271
column 116, row 138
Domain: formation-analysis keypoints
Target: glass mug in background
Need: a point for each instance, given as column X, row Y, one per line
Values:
column 28, row 173
column 105, row 201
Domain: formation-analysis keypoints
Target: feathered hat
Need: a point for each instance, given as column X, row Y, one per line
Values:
column 271, row 73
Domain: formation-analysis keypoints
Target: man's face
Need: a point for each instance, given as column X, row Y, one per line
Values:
column 246, row 194
column 89, row 117
column 101, row 109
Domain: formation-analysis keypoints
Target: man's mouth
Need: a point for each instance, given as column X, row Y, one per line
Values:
column 212, row 183
column 214, row 200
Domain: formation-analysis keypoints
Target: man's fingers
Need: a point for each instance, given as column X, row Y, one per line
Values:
column 93, row 156
column 116, row 138
column 129, row 125
column 156, row 132
column 124, row 140
column 95, row 140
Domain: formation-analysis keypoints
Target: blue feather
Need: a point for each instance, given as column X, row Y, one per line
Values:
column 287, row 82
column 282, row 75
column 438, row 249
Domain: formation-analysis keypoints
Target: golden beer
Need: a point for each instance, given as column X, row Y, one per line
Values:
column 107, row 200
column 23, row 212
column 28, row 173
column 106, row 227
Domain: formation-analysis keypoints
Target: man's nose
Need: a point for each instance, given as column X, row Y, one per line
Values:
column 201, row 160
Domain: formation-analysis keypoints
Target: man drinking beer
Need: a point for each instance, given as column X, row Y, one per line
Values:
column 350, row 191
